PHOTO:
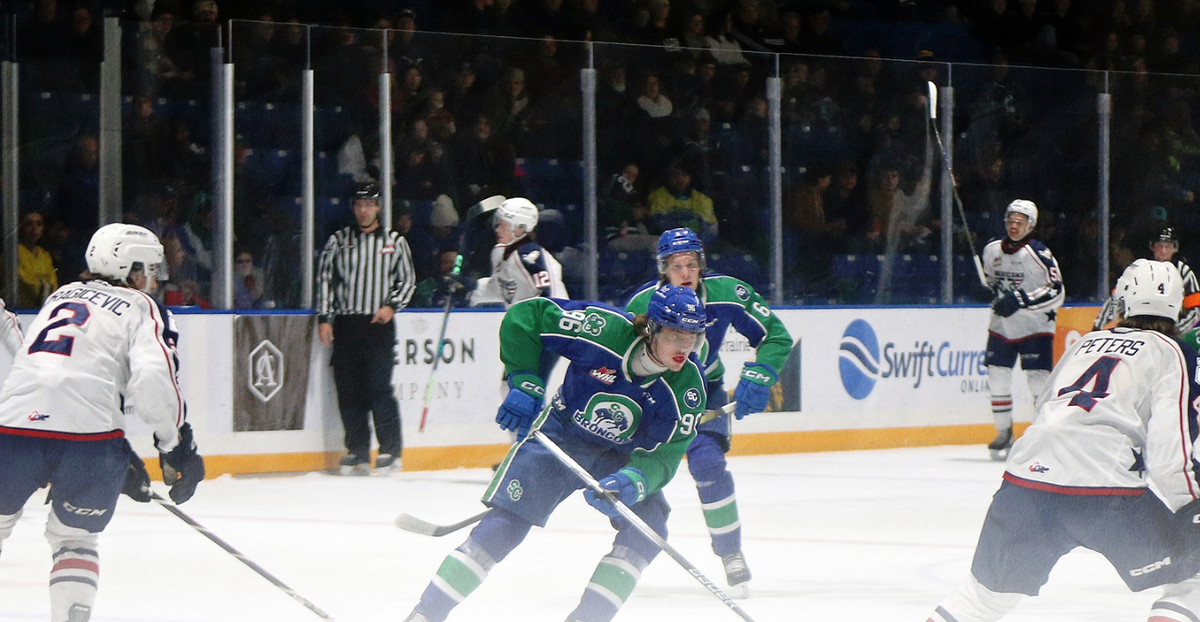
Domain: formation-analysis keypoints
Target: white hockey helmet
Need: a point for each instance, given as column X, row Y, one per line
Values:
column 115, row 248
column 518, row 212
column 1149, row 287
column 1026, row 207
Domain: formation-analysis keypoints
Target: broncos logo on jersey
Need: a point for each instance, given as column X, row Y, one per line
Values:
column 613, row 417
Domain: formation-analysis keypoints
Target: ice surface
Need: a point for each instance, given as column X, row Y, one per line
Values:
column 864, row 536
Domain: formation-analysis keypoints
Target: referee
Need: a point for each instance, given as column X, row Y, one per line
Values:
column 365, row 276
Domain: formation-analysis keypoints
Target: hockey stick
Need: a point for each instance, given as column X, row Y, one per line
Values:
column 962, row 214
column 483, row 207
column 242, row 558
column 411, row 523
column 638, row 523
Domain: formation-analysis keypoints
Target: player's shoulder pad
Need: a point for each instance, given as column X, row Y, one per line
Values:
column 640, row 299
column 720, row 288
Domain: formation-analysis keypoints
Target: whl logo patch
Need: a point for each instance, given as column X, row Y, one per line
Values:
column 611, row 416
column 604, row 374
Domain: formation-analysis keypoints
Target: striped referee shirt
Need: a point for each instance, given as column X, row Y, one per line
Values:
column 361, row 272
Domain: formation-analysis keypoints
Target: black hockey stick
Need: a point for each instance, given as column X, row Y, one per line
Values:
column 238, row 554
column 638, row 523
column 411, row 523
column 483, row 207
column 962, row 214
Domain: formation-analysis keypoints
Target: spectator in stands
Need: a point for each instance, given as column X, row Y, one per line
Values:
column 79, row 193
column 145, row 145
column 85, row 46
column 411, row 97
column 186, row 165
column 406, row 47
column 846, row 200
column 42, row 37
column 483, row 160
column 36, row 276
column 66, row 249
column 1072, row 40
column 510, row 106
column 261, row 70
column 810, row 234
column 793, row 32
column 434, row 290
column 999, row 110
column 464, row 98
column 163, row 220
column 657, row 30
column 818, row 38
column 754, row 28
column 440, row 119
column 153, row 54
column 694, row 37
column 722, row 46
column 247, row 281
column 589, row 22
column 548, row 73
column 653, row 100
column 677, row 204
column 182, row 288
column 423, row 170
column 624, row 216
column 192, row 44
column 441, row 233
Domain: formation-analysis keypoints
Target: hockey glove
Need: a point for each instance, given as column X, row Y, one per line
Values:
column 1009, row 302
column 627, row 485
column 137, row 480
column 183, row 468
column 754, row 389
column 521, row 405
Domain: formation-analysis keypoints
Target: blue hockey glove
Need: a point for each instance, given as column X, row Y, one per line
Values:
column 1009, row 302
column 182, row 467
column 137, row 480
column 521, row 405
column 627, row 485
column 754, row 389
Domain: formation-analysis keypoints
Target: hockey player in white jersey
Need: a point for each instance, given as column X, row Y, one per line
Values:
column 97, row 349
column 10, row 330
column 521, row 268
column 1118, row 416
column 1164, row 245
column 1028, row 286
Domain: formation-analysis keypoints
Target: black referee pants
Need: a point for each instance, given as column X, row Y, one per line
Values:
column 363, row 358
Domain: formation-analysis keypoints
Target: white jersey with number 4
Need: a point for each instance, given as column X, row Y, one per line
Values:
column 92, row 351
column 1118, row 412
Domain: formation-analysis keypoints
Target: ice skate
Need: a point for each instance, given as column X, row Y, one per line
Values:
column 737, row 574
column 1001, row 444
column 353, row 465
column 416, row 617
column 386, row 464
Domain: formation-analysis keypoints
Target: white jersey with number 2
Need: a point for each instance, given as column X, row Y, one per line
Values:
column 92, row 349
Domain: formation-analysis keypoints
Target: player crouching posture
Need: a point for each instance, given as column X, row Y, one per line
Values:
column 96, row 346
column 627, row 411
column 1119, row 415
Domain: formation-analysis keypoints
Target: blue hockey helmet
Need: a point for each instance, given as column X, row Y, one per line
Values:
column 678, row 240
column 678, row 308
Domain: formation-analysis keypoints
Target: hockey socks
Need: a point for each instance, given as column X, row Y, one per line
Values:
column 610, row 586
column 74, row 579
column 714, row 483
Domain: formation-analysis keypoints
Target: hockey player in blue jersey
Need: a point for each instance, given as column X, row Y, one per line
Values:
column 728, row 302
column 1109, row 464
column 97, row 348
column 1028, row 288
column 626, row 411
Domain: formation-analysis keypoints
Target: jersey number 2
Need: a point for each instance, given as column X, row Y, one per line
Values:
column 61, row 345
column 1100, row 372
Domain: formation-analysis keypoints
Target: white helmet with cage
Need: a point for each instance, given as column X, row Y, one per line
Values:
column 1024, row 207
column 518, row 212
column 1149, row 287
column 115, row 248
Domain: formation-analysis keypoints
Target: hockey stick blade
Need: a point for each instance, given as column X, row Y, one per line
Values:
column 483, row 207
column 411, row 523
column 932, row 99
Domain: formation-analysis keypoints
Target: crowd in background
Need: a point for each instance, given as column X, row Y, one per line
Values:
column 682, row 124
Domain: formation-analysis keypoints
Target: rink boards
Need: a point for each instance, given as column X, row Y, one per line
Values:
column 858, row 378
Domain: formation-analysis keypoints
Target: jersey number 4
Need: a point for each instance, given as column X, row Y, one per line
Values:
column 79, row 315
column 1098, row 375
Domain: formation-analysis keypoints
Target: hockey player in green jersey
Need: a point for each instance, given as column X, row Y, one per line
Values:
column 728, row 302
column 627, row 411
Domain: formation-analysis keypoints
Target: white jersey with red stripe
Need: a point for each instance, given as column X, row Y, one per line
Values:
column 1118, row 412
column 94, row 352
column 1030, row 267
column 10, row 330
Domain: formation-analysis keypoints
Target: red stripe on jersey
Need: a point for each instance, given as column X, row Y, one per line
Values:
column 158, row 331
column 1074, row 490
column 77, row 564
column 63, row 436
